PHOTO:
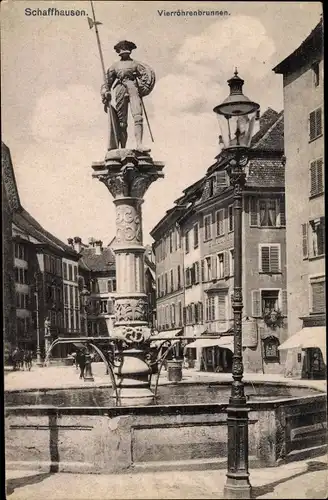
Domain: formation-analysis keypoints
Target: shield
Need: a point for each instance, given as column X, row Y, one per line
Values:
column 146, row 79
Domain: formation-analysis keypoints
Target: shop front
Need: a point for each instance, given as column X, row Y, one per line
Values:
column 211, row 355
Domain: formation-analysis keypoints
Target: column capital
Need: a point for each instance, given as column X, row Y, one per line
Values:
column 127, row 173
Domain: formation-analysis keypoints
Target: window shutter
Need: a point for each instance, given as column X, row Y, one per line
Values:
column 318, row 119
column 220, row 222
column 265, row 259
column 221, row 179
column 282, row 210
column 305, row 242
column 274, row 259
column 313, row 176
column 214, row 267
column 184, row 316
column 253, row 214
column 312, row 125
column 318, row 297
column 319, row 176
column 192, row 274
column 203, row 270
column 284, row 302
column 196, row 313
column 222, row 306
column 256, row 303
column 226, row 264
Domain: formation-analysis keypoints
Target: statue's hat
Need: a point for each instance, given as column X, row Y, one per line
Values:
column 124, row 46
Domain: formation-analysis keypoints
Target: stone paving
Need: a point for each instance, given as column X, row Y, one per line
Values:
column 304, row 479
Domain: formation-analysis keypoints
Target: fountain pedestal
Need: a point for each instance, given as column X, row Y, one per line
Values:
column 127, row 174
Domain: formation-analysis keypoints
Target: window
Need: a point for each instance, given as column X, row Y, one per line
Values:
column 172, row 314
column 75, row 274
column 316, row 177
column 220, row 222
column 232, row 262
column 179, row 277
column 158, row 287
column 65, row 271
column 267, row 212
column 114, row 285
column 109, row 286
column 270, row 258
column 20, row 251
column 187, row 242
column 196, row 273
column 171, row 242
column 70, row 272
column 196, row 235
column 179, row 314
column 220, row 267
column 316, row 74
column 103, row 306
column 230, row 218
column 210, row 309
column 268, row 300
column 318, row 237
column 66, row 295
column 315, row 122
column 207, row 227
column 222, row 306
column 188, row 276
column 305, row 242
column 166, row 284
column 171, row 281
column 318, row 295
column 209, row 268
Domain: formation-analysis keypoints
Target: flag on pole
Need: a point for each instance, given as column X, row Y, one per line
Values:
column 92, row 23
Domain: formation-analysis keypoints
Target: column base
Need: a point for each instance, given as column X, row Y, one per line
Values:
column 237, row 489
column 135, row 396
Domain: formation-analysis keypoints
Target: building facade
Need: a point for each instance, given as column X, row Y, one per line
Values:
column 36, row 288
column 304, row 146
column 205, row 219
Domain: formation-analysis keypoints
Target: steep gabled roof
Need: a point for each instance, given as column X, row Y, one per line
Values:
column 24, row 221
column 8, row 179
column 273, row 138
column 102, row 262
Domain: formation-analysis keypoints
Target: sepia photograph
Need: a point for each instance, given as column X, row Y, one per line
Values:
column 163, row 250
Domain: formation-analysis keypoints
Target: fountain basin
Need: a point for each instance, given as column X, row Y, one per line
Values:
column 82, row 431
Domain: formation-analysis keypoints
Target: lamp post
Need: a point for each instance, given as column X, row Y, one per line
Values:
column 85, row 294
column 36, row 294
column 237, row 116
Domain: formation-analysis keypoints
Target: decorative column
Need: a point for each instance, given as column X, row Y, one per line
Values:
column 237, row 485
column 127, row 174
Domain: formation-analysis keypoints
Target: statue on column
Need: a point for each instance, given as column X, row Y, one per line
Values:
column 129, row 81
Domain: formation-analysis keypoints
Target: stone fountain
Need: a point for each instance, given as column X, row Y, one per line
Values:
column 128, row 173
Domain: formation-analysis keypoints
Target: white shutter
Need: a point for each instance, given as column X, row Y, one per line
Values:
column 226, row 264
column 275, row 259
column 305, row 241
column 222, row 306
column 256, row 304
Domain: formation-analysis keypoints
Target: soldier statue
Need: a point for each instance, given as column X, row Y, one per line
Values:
column 131, row 81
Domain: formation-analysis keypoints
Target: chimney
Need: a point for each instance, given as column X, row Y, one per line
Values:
column 70, row 242
column 77, row 244
column 257, row 124
column 98, row 246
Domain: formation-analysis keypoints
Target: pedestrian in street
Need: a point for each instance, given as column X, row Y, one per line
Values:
column 81, row 360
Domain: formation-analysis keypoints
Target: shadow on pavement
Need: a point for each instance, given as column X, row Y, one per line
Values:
column 19, row 482
column 312, row 466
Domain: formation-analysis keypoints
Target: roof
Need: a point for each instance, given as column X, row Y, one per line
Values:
column 8, row 179
column 273, row 138
column 311, row 46
column 91, row 261
column 28, row 224
column 266, row 172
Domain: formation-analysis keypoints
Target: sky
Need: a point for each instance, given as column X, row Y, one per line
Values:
column 53, row 120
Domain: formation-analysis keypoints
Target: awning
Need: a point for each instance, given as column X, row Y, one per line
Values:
column 314, row 336
column 167, row 334
column 226, row 342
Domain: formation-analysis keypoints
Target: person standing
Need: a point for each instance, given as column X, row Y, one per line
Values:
column 80, row 358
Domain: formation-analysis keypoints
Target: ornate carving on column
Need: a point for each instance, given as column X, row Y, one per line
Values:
column 127, row 174
column 128, row 222
column 131, row 309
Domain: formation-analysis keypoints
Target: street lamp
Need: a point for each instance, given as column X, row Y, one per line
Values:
column 36, row 294
column 85, row 294
column 237, row 116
